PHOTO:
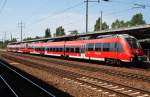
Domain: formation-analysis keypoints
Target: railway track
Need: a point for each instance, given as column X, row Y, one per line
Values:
column 5, row 90
column 108, row 88
column 93, row 69
column 15, row 83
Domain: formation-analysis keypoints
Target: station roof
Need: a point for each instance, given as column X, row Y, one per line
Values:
column 140, row 32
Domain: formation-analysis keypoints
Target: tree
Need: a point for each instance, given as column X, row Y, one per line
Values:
column 47, row 33
column 60, row 31
column 127, row 24
column 14, row 40
column 37, row 37
column 74, row 32
column 97, row 25
column 105, row 26
column 137, row 19
column 28, row 38
column 116, row 24
column 120, row 23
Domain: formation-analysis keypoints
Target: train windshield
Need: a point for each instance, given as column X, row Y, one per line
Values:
column 133, row 43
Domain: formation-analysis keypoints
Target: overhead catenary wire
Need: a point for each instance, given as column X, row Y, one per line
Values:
column 69, row 8
column 3, row 6
column 60, row 12
column 79, row 4
column 105, row 15
column 122, row 2
column 51, row 16
column 108, row 14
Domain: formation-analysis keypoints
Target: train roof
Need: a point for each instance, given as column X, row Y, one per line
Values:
column 140, row 32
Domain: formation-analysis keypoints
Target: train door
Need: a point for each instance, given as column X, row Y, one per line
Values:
column 64, row 48
column 83, row 50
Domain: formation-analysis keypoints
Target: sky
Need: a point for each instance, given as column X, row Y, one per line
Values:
column 37, row 15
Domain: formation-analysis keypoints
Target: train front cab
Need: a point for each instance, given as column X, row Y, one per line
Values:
column 134, row 54
column 115, row 50
column 135, row 51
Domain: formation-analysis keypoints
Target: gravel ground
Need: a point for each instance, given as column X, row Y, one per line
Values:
column 77, row 90
column 61, row 83
column 129, row 82
column 145, row 71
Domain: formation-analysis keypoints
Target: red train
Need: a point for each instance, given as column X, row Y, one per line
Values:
column 112, row 49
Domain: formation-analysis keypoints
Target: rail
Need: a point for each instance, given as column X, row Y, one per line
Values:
column 26, row 79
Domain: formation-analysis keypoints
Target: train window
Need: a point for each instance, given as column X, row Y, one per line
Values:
column 90, row 47
column 43, row 49
column 98, row 46
column 67, row 49
column 71, row 49
column 77, row 50
column 47, row 49
column 112, row 47
column 57, row 49
column 60, row 49
column 106, row 47
column 118, row 47
column 133, row 43
column 50, row 49
column 53, row 49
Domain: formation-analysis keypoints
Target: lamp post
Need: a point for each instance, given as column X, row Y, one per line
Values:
column 87, row 10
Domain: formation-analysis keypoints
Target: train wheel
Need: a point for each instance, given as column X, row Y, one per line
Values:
column 67, row 57
column 107, row 61
column 118, row 62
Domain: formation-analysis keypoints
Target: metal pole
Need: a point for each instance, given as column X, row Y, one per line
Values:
column 87, row 4
column 21, row 31
column 4, row 39
column 4, row 36
column 11, row 37
column 101, row 20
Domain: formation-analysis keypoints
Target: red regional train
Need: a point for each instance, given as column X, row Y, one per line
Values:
column 113, row 49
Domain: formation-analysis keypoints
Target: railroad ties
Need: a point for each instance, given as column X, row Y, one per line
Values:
column 104, row 87
column 15, row 83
